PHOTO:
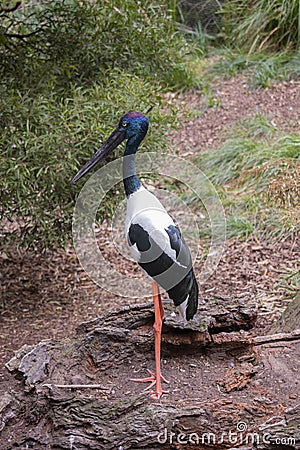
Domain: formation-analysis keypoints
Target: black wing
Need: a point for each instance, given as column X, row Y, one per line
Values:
column 166, row 270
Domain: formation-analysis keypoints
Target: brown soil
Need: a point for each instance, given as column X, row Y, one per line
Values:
column 48, row 295
column 280, row 103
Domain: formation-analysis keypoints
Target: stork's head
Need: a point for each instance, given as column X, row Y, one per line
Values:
column 132, row 127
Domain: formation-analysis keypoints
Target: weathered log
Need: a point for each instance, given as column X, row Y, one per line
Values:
column 210, row 362
column 279, row 337
column 290, row 318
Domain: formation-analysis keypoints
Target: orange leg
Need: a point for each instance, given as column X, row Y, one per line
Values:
column 156, row 378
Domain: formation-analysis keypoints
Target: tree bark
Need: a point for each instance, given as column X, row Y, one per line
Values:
column 76, row 394
column 290, row 319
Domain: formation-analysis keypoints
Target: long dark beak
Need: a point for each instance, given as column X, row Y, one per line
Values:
column 101, row 154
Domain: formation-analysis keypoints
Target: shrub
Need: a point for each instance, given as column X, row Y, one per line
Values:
column 58, row 43
column 68, row 71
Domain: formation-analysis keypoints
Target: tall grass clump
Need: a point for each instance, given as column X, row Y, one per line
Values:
column 68, row 71
column 257, row 173
column 262, row 25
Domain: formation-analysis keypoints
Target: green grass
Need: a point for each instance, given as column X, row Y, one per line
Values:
column 257, row 172
column 259, row 39
column 261, row 69
column 291, row 280
column 262, row 25
column 293, row 66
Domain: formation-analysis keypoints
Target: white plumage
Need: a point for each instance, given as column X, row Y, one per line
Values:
column 144, row 209
column 156, row 244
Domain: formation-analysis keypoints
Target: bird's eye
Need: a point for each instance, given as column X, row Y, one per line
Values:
column 124, row 124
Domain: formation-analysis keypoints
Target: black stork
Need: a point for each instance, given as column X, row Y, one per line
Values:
column 154, row 239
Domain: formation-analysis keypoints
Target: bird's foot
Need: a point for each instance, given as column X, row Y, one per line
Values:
column 152, row 379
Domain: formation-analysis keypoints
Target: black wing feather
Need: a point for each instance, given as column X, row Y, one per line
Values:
column 156, row 262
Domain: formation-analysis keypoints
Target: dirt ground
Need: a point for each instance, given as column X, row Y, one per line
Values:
column 48, row 295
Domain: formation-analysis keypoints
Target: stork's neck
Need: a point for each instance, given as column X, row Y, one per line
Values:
column 130, row 179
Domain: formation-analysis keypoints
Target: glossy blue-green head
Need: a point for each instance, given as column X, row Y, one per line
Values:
column 135, row 126
column 132, row 127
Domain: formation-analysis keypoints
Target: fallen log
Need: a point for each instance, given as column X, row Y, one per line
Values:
column 76, row 394
column 290, row 319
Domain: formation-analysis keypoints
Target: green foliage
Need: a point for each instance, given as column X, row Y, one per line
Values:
column 261, row 69
column 293, row 66
column 262, row 24
column 68, row 71
column 46, row 142
column 201, row 21
column 239, row 226
column 255, row 27
column 269, row 69
column 62, row 42
column 257, row 173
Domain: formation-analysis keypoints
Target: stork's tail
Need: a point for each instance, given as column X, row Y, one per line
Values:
column 185, row 295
